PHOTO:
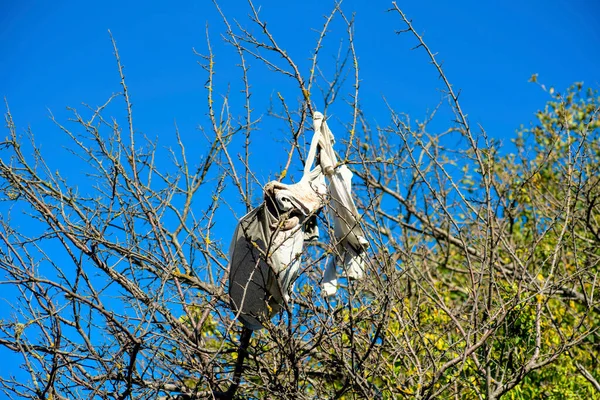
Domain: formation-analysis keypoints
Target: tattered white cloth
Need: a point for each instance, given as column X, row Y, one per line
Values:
column 265, row 252
column 350, row 239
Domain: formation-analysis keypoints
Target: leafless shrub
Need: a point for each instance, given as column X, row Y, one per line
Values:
column 478, row 274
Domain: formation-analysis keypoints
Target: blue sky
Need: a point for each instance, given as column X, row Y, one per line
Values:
column 59, row 54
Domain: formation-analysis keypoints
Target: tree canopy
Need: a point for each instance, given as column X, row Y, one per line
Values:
column 481, row 276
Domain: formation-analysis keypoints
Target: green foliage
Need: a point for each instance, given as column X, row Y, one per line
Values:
column 539, row 307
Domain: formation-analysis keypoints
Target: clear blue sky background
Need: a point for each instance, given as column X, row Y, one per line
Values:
column 58, row 54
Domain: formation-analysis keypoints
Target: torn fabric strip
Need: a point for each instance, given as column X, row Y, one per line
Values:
column 351, row 242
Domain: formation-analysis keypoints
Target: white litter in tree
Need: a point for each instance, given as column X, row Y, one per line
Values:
column 265, row 252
